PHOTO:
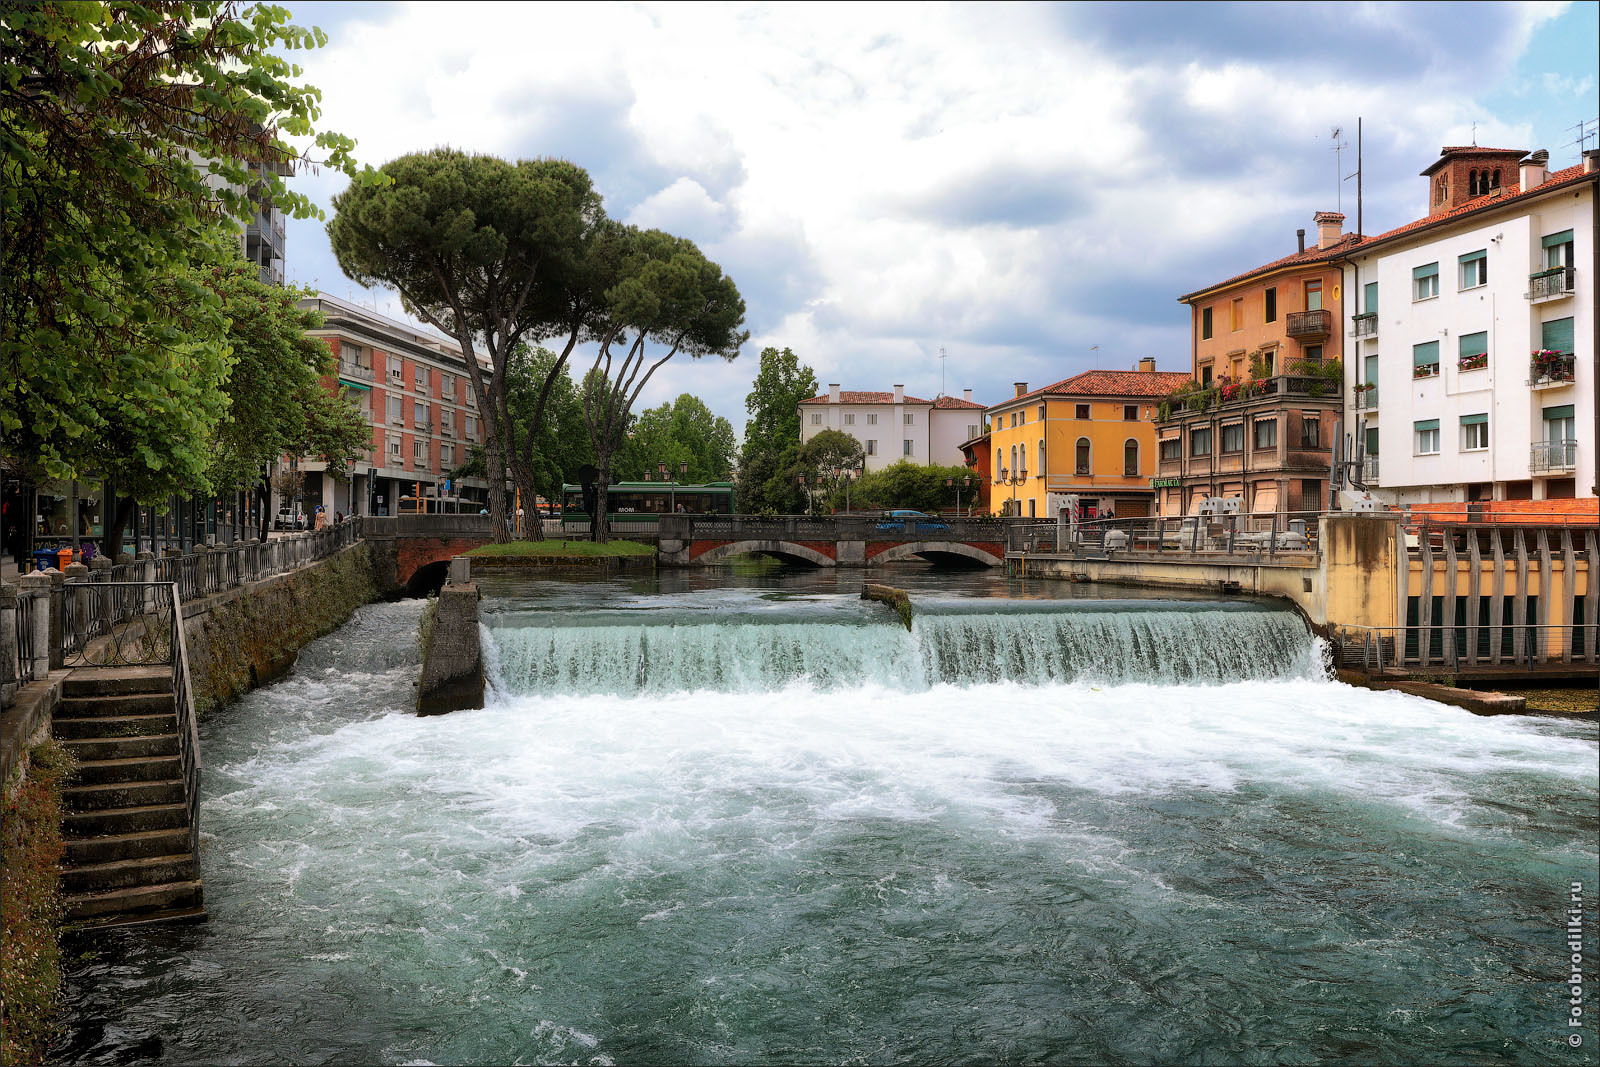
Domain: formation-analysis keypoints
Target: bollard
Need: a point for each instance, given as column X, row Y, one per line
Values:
column 460, row 570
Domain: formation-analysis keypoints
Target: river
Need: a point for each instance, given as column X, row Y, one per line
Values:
column 743, row 816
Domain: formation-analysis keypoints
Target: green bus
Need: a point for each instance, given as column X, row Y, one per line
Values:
column 645, row 502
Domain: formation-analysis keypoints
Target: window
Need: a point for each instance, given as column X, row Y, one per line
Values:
column 999, row 461
column 816, row 418
column 1130, row 413
column 1080, row 411
column 447, row 455
column 419, row 414
column 1081, row 458
column 1556, row 335
column 1369, row 298
column 910, row 418
column 1310, row 495
column 420, row 375
column 872, row 447
column 1557, row 250
column 396, row 415
column 1559, row 424
column 1271, row 305
column 394, row 446
column 1233, row 438
column 1425, row 360
column 1474, row 269
column 1474, row 432
column 1425, row 282
column 472, row 428
column 1013, row 459
column 1312, row 354
column 905, row 448
column 1205, row 324
column 1314, row 296
column 1427, row 437
column 1266, row 433
column 972, row 431
column 849, row 419
column 447, row 386
column 1041, row 455
column 1237, row 319
column 1171, row 448
column 1041, row 412
column 1130, row 458
column 1205, row 376
column 1200, row 441
column 872, row 419
column 419, row 449
column 1474, row 351
column 1372, row 440
column 1310, row 430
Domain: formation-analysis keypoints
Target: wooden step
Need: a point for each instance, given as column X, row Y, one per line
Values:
column 123, row 794
column 106, row 681
column 144, row 898
column 130, row 820
column 142, row 918
column 134, row 769
column 118, row 704
column 118, row 726
column 95, row 748
column 129, row 873
column 104, row 848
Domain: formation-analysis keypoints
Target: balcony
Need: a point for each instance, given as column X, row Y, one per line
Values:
column 1549, row 370
column 1369, row 470
column 1366, row 398
column 1548, row 285
column 1325, row 382
column 355, row 372
column 1553, row 456
column 1364, row 325
column 1309, row 325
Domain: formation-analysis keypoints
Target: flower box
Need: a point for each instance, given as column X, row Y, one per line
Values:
column 1477, row 362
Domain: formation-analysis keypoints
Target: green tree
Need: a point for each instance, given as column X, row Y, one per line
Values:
column 667, row 298
column 487, row 251
column 769, row 462
column 829, row 459
column 128, row 131
column 683, row 433
column 909, row 485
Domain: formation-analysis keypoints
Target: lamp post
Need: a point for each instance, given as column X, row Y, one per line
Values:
column 951, row 483
column 672, row 490
column 1006, row 478
column 807, row 492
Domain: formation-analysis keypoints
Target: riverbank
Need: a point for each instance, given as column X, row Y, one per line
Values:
column 605, row 555
column 30, row 906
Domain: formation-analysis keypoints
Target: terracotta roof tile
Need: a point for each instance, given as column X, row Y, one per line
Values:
column 1505, row 194
column 853, row 396
column 945, row 403
column 1339, row 248
column 1108, row 383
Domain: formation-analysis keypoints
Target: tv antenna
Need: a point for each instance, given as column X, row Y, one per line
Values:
column 1338, row 167
column 1585, row 130
column 943, row 356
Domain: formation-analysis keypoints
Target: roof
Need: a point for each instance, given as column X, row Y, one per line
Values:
column 1506, row 193
column 944, row 403
column 1108, row 383
column 852, row 396
column 1310, row 256
column 1449, row 151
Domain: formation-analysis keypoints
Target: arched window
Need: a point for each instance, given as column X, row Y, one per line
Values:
column 999, row 460
column 1472, row 183
column 1082, row 466
column 1496, row 183
column 1130, row 458
column 1041, row 455
column 1013, row 459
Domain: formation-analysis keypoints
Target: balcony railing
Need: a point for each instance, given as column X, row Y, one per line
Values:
column 1551, row 284
column 1366, row 399
column 1552, row 368
column 1364, row 325
column 355, row 371
column 1309, row 325
column 1369, row 470
column 1231, row 393
column 1553, row 455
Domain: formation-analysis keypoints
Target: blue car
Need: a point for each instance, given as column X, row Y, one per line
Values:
column 909, row 520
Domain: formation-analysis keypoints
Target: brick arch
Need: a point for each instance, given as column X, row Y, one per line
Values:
column 947, row 548
column 786, row 549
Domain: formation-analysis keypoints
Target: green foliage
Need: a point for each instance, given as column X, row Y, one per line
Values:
column 558, row 444
column 770, row 460
column 30, row 905
column 128, row 132
column 829, row 460
column 682, row 432
column 430, row 612
column 910, row 485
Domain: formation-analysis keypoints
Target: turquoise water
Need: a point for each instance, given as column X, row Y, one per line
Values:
column 760, row 822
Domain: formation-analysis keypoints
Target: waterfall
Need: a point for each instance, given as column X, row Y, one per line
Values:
column 1115, row 644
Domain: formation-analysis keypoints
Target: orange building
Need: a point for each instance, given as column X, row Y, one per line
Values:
column 1266, row 398
column 1092, row 435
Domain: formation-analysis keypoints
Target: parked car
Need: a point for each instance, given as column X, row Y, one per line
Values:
column 903, row 519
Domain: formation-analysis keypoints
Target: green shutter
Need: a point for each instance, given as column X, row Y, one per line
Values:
column 1563, row 412
column 1372, row 440
column 1555, row 240
column 1474, row 344
column 1369, row 302
column 1425, row 355
column 1427, row 424
column 1557, row 335
column 1418, row 273
column 1475, row 420
column 1472, row 257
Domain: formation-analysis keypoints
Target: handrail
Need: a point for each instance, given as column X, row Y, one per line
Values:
column 188, row 721
column 1473, row 643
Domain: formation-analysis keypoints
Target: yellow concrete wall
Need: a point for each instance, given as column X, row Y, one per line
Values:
column 1106, row 430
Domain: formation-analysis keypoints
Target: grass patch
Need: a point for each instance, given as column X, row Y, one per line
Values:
column 554, row 548
column 30, row 906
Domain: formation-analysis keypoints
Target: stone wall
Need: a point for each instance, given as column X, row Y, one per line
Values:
column 249, row 635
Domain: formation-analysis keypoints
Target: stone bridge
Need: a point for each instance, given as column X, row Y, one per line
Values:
column 849, row 541
column 420, row 547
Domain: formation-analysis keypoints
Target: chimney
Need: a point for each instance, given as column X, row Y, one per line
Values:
column 1022, row 387
column 899, row 394
column 1330, row 228
column 1301, row 234
column 833, row 393
column 966, row 394
column 1591, row 161
column 1533, row 171
column 1147, row 365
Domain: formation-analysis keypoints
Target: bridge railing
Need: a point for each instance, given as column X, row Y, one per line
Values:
column 1268, row 534
column 833, row 528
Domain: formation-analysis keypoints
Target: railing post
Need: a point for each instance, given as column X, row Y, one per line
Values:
column 76, row 576
column 1272, row 536
column 1233, row 524
column 9, row 673
column 146, row 563
column 39, row 587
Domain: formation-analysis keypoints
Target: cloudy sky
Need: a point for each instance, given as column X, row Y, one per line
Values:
column 1028, row 188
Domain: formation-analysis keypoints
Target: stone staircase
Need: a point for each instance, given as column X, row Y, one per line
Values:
column 130, row 855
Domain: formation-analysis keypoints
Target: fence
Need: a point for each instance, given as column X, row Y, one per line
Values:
column 1264, row 534
column 1449, row 647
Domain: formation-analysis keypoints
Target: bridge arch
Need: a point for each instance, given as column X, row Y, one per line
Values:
column 427, row 578
column 924, row 549
column 784, row 549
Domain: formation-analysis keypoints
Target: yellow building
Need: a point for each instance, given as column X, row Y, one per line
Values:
column 1092, row 435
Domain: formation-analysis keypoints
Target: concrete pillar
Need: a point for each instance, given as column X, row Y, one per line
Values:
column 8, row 643
column 77, row 576
column 460, row 570
column 37, row 587
column 147, row 575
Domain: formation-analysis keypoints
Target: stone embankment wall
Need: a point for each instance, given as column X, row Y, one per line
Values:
column 249, row 635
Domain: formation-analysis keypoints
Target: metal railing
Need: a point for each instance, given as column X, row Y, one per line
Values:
column 1267, row 534
column 1553, row 370
column 1559, row 281
column 355, row 370
column 1366, row 399
column 1553, row 455
column 188, row 721
column 25, row 645
column 1309, row 323
column 116, row 623
column 1450, row 646
column 1364, row 325
column 1369, row 470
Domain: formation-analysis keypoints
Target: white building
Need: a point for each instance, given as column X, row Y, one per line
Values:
column 893, row 427
column 1448, row 391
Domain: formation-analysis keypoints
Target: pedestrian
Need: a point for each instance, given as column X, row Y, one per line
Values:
column 322, row 517
column 338, row 517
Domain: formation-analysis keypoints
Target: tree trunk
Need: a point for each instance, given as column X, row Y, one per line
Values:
column 116, row 523
column 522, row 474
column 495, row 475
column 597, row 522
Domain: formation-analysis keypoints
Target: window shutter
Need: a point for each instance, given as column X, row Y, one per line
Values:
column 1425, row 355
column 1557, row 335
column 1472, row 257
column 1474, row 344
column 1418, row 273
column 1556, row 240
column 1370, row 299
column 1475, row 420
column 1553, row 414
column 1427, row 424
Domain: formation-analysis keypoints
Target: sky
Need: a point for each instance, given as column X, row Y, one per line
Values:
column 1027, row 189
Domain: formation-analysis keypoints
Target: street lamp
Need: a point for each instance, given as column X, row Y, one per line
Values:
column 811, row 503
column 1006, row 478
column 951, row 483
column 672, row 491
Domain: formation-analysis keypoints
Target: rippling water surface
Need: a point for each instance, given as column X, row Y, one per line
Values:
column 754, row 820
